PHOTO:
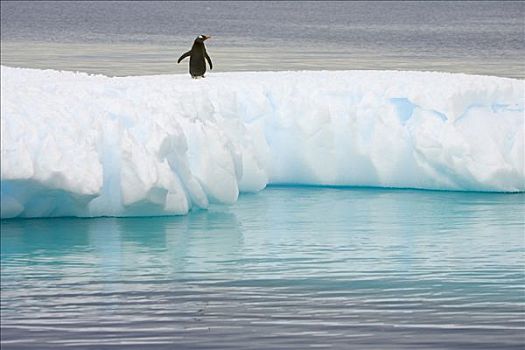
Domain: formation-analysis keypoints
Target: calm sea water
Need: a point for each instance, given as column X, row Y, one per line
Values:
column 284, row 268
column 131, row 38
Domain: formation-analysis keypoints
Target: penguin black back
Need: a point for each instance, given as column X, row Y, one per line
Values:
column 197, row 55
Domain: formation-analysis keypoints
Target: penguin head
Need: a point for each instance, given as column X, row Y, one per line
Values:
column 201, row 38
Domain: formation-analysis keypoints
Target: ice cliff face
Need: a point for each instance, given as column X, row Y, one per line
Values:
column 84, row 145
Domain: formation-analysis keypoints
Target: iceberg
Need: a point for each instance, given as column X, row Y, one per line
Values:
column 74, row 144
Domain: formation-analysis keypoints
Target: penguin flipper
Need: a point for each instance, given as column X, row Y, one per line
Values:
column 209, row 61
column 184, row 55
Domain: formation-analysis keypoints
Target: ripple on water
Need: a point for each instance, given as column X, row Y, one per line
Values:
column 264, row 273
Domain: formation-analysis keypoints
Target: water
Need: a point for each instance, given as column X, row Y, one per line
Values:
column 288, row 267
column 133, row 38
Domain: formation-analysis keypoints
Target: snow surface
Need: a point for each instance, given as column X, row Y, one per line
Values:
column 90, row 145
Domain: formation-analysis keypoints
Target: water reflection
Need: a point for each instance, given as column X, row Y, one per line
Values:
column 284, row 267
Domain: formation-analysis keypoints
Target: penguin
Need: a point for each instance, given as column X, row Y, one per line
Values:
column 197, row 55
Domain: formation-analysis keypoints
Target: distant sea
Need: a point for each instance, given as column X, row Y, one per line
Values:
column 137, row 38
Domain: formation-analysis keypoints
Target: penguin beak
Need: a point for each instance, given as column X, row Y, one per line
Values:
column 206, row 37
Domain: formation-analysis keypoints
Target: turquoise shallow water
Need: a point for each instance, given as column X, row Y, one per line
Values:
column 289, row 267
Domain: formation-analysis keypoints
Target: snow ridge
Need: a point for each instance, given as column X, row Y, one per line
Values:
column 74, row 144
